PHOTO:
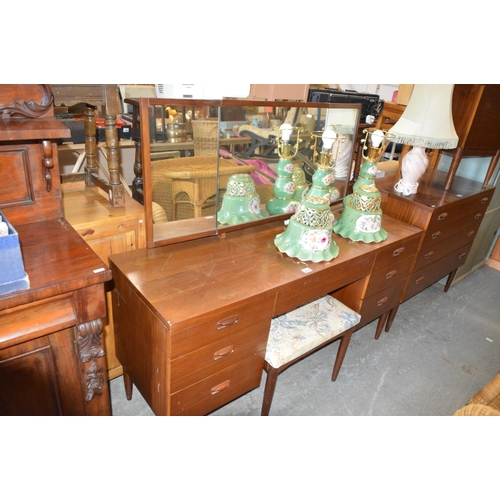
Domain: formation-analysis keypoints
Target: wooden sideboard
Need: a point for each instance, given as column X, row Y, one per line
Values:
column 107, row 230
column 191, row 319
column 51, row 357
column 450, row 220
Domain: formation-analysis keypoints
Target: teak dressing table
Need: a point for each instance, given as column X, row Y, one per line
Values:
column 191, row 319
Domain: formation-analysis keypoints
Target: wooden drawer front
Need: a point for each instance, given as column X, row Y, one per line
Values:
column 197, row 365
column 432, row 253
column 421, row 279
column 386, row 277
column 215, row 391
column 219, row 324
column 381, row 302
column 395, row 253
column 451, row 219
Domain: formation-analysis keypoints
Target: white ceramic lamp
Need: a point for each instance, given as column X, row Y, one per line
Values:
column 427, row 122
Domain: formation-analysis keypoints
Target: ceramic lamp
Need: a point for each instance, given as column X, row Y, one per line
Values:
column 427, row 122
column 285, row 200
column 308, row 235
column 361, row 218
column 241, row 202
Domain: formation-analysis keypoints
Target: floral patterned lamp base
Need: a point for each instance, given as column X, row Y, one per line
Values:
column 241, row 203
column 308, row 236
column 284, row 201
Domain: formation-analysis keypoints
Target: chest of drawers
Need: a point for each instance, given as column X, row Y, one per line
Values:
column 450, row 221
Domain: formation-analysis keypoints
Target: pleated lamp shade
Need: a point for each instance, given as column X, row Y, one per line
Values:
column 427, row 120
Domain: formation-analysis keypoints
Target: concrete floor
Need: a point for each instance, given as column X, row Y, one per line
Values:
column 442, row 348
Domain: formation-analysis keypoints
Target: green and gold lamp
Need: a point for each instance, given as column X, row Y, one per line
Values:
column 284, row 200
column 241, row 202
column 361, row 218
column 308, row 236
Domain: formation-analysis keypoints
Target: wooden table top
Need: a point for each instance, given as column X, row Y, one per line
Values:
column 187, row 280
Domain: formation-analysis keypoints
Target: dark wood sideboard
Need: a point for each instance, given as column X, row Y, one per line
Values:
column 51, row 356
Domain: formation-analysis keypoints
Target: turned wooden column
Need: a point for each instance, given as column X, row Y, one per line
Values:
column 90, row 146
column 116, row 189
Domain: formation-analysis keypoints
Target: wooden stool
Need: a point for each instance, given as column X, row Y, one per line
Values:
column 297, row 334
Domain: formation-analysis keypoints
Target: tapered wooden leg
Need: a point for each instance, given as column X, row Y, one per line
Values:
column 380, row 324
column 272, row 377
column 344, row 344
column 450, row 279
column 390, row 319
column 129, row 386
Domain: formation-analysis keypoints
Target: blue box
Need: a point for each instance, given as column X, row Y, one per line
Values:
column 13, row 277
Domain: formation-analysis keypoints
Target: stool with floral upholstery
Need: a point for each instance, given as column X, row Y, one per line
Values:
column 296, row 334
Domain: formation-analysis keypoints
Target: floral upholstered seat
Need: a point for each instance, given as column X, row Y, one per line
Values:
column 303, row 329
column 298, row 333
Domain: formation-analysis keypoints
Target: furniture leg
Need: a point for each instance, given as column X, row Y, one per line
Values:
column 380, row 324
column 457, row 158
column 491, row 168
column 390, row 319
column 90, row 146
column 344, row 344
column 116, row 190
column 272, row 377
column 129, row 386
column 450, row 279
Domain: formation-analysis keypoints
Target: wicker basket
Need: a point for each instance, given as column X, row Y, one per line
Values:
column 205, row 137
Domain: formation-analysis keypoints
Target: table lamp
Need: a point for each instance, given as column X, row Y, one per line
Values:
column 361, row 218
column 284, row 200
column 427, row 122
column 308, row 236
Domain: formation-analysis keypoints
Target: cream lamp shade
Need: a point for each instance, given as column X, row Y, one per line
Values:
column 427, row 122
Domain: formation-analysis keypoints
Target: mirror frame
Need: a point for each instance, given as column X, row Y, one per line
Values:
column 142, row 167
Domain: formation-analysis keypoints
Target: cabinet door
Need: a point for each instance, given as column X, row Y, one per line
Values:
column 41, row 377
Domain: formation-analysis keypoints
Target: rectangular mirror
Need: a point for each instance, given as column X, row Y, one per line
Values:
column 188, row 150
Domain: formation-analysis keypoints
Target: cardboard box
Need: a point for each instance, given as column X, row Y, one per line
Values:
column 12, row 274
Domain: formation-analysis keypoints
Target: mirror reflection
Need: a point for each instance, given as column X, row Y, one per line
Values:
column 211, row 165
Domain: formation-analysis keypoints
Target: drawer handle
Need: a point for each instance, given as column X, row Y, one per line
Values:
column 220, row 387
column 443, row 216
column 484, row 200
column 222, row 353
column 390, row 274
column 381, row 302
column 462, row 255
column 436, row 235
column 429, row 254
column 397, row 252
column 225, row 323
column 419, row 280
column 477, row 216
column 87, row 232
column 470, row 233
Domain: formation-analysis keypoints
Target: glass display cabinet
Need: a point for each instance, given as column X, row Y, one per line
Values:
column 206, row 167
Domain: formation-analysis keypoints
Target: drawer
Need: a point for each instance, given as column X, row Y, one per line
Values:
column 441, row 248
column 453, row 218
column 425, row 277
column 397, row 252
column 381, row 302
column 199, row 332
column 386, row 277
column 197, row 365
column 215, row 391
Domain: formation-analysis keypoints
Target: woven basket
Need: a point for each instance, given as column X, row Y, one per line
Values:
column 205, row 137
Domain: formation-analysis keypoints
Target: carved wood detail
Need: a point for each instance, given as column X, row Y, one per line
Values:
column 89, row 340
column 30, row 109
column 48, row 163
column 94, row 381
